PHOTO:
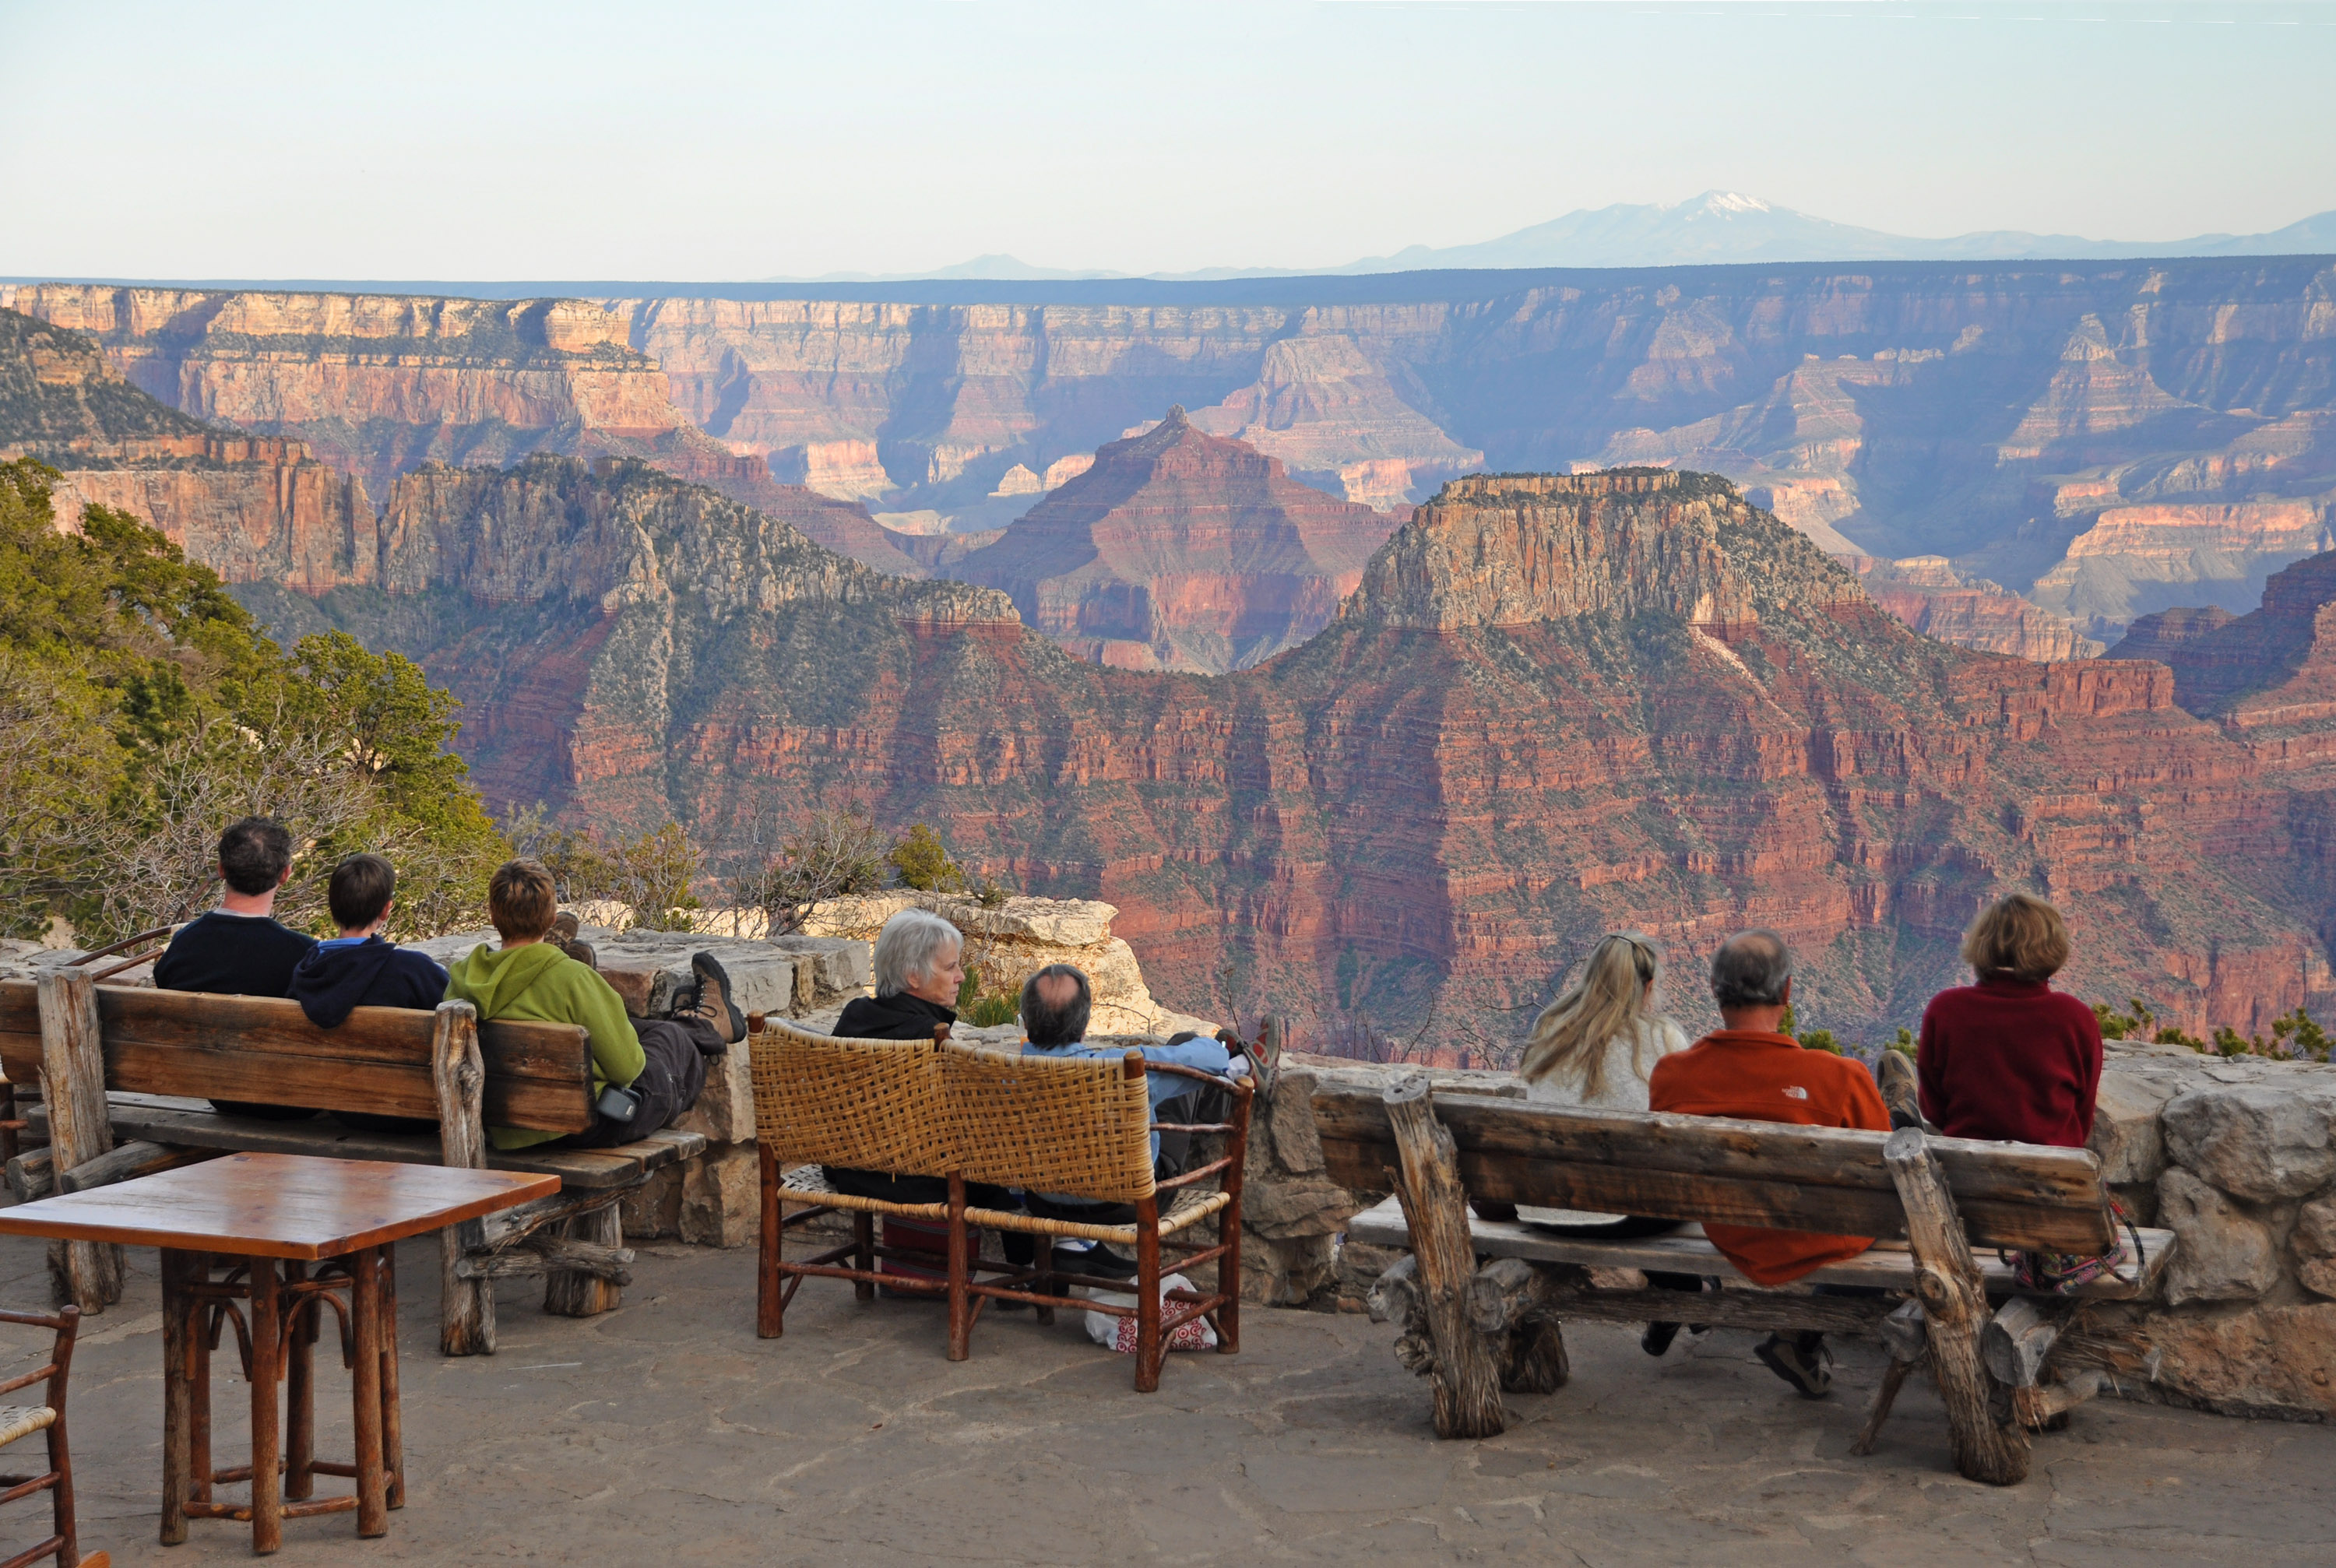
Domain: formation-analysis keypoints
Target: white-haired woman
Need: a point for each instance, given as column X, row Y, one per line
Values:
column 919, row 965
column 1595, row 1047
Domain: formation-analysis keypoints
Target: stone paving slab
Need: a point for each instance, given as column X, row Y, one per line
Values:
column 666, row 1433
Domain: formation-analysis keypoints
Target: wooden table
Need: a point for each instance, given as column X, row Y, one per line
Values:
column 243, row 1214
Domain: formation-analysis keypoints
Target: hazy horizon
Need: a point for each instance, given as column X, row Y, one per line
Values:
column 736, row 143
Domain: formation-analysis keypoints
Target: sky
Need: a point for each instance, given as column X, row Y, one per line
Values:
column 700, row 142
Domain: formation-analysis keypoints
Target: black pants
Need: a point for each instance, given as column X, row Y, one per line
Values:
column 669, row 1084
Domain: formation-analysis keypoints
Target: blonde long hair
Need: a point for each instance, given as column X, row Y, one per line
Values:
column 1613, row 996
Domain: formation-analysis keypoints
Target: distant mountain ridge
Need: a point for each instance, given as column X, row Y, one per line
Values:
column 1717, row 227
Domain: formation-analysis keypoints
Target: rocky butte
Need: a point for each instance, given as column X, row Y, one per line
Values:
column 1179, row 549
column 2111, row 438
column 1554, row 706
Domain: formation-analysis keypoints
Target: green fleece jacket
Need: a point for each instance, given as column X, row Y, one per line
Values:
column 540, row 983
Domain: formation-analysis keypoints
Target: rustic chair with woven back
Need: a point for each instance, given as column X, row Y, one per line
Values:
column 858, row 1105
column 18, row 1422
column 1081, row 1127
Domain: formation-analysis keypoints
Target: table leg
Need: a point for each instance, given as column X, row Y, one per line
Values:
column 299, row 1389
column 198, row 1267
column 364, row 1290
column 392, row 1428
column 181, row 1332
column 267, row 1350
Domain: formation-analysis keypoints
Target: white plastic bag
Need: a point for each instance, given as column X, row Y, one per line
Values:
column 1119, row 1333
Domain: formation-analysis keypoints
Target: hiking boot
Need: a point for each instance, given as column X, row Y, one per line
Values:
column 1901, row 1090
column 713, row 1002
column 1802, row 1361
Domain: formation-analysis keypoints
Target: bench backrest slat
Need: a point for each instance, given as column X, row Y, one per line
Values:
column 1824, row 1179
column 264, row 1050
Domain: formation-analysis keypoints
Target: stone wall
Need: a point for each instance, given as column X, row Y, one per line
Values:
column 1010, row 941
column 2238, row 1158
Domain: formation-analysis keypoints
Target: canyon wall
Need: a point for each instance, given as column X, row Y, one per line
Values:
column 1997, row 413
column 1555, row 705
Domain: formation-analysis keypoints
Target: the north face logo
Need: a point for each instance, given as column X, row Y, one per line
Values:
column 1795, row 1092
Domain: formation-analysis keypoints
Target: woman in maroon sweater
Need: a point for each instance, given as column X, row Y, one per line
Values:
column 2010, row 1058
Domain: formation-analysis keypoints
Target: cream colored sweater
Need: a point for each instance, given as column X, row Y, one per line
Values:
column 1623, row 1088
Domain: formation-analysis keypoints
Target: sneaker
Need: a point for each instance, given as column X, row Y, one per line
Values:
column 1098, row 1259
column 1802, row 1361
column 713, row 1002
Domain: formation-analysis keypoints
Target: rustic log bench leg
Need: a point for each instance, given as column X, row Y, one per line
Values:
column 466, row 1306
column 1467, row 1384
column 1954, row 1304
column 571, row 1292
column 1508, row 1304
column 1908, row 1337
column 72, row 1083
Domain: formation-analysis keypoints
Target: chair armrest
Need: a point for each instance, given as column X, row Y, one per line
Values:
column 1176, row 1069
column 29, row 1379
column 1212, row 1168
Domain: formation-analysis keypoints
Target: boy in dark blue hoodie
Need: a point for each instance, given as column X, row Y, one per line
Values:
column 362, row 968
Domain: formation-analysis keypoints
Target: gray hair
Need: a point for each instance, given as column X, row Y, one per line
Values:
column 911, row 947
column 1064, row 1024
column 1750, row 969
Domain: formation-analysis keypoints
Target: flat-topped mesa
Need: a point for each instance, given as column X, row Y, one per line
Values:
column 1509, row 550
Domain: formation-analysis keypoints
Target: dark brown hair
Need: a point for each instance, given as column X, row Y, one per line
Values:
column 522, row 900
column 361, row 888
column 253, row 853
column 2019, row 937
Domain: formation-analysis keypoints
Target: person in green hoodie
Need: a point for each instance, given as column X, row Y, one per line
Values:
column 658, row 1063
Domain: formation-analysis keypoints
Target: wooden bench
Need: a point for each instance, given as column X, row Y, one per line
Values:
column 1939, row 1207
column 126, row 1073
column 1081, row 1127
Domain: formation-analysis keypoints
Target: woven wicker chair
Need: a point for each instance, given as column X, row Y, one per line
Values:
column 862, row 1104
column 1082, row 1126
column 21, row 1421
column 1077, row 1126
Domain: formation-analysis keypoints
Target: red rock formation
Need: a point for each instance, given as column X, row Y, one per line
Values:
column 1556, row 706
column 1179, row 549
column 2268, row 677
column 1928, row 594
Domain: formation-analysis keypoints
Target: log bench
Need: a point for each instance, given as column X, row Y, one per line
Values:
column 127, row 1072
column 2007, row 1361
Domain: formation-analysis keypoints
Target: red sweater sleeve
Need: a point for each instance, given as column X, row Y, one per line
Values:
column 2088, row 1034
column 1931, row 1066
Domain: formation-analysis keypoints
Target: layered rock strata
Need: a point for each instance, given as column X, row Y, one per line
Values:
column 2268, row 679
column 1995, row 412
column 1556, row 706
column 1931, row 596
column 1179, row 549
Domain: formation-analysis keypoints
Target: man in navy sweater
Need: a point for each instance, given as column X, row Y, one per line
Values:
column 238, row 950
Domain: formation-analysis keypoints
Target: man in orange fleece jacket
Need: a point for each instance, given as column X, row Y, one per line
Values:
column 1751, row 1070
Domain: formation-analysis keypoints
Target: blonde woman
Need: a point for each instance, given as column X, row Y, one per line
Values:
column 1596, row 1045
